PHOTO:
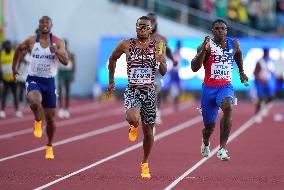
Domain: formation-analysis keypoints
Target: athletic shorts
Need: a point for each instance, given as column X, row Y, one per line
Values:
column 211, row 100
column 64, row 77
column 265, row 90
column 46, row 86
column 143, row 99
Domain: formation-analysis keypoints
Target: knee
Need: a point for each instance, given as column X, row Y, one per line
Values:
column 148, row 132
column 34, row 104
column 226, row 106
column 133, row 120
column 49, row 120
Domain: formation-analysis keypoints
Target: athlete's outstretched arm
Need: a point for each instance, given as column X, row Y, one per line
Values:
column 60, row 51
column 20, row 52
column 118, row 51
column 197, row 61
column 239, row 60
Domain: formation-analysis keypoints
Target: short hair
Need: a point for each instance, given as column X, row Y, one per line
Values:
column 47, row 17
column 152, row 15
column 219, row 20
column 143, row 18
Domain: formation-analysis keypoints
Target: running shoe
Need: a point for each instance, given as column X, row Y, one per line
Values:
column 2, row 114
column 205, row 150
column 132, row 133
column 19, row 114
column 145, row 174
column 49, row 152
column 37, row 129
column 223, row 154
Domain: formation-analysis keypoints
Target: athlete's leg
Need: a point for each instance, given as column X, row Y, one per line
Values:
column 209, row 112
column 4, row 95
column 148, row 116
column 15, row 96
column 148, row 141
column 225, row 99
column 226, row 121
column 50, row 124
column 67, row 94
column 35, row 99
column 133, row 116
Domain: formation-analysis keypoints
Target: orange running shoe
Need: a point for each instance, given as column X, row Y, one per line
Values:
column 49, row 152
column 145, row 174
column 37, row 129
column 132, row 133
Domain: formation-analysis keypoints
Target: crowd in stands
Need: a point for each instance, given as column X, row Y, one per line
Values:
column 265, row 15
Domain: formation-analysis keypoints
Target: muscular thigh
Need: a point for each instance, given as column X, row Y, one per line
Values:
column 148, row 106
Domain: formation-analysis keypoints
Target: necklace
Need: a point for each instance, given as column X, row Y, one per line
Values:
column 142, row 42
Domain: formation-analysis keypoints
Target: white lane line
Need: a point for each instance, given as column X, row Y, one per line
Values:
column 160, row 136
column 75, row 109
column 64, row 123
column 234, row 135
column 87, row 134
column 71, row 139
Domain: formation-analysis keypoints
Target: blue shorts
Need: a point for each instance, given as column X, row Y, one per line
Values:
column 211, row 100
column 46, row 86
column 265, row 90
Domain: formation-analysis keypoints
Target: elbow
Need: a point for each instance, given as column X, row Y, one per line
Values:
column 194, row 69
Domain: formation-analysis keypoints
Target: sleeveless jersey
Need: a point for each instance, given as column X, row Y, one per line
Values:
column 219, row 66
column 267, row 68
column 6, row 62
column 141, row 65
column 43, row 63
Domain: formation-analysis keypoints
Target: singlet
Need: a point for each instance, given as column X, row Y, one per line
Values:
column 141, row 65
column 43, row 63
column 267, row 68
column 7, row 61
column 219, row 66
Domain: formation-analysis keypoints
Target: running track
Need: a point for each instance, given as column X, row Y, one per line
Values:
column 92, row 152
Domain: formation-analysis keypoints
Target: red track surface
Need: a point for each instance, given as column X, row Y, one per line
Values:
column 256, row 153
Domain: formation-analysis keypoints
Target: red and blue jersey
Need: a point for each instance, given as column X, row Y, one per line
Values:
column 219, row 65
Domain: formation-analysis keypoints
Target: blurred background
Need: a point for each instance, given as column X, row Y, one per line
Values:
column 94, row 27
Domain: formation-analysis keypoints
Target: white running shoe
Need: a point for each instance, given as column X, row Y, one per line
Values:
column 66, row 114
column 2, row 114
column 61, row 113
column 205, row 150
column 223, row 154
column 19, row 114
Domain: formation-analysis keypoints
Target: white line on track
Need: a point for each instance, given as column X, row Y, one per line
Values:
column 234, row 135
column 64, row 123
column 74, row 109
column 160, row 136
column 109, row 128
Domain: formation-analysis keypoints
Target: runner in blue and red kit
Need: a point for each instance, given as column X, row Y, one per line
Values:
column 217, row 56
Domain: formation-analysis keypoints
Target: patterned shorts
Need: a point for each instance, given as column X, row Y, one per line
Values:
column 143, row 99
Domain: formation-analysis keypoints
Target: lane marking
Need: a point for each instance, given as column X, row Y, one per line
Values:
column 75, row 109
column 89, row 134
column 234, row 135
column 160, row 136
column 64, row 123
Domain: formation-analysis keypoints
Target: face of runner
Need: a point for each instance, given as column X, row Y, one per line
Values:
column 143, row 29
column 219, row 31
column 45, row 25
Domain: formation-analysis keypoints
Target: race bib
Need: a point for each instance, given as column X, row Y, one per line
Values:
column 140, row 75
column 221, row 71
